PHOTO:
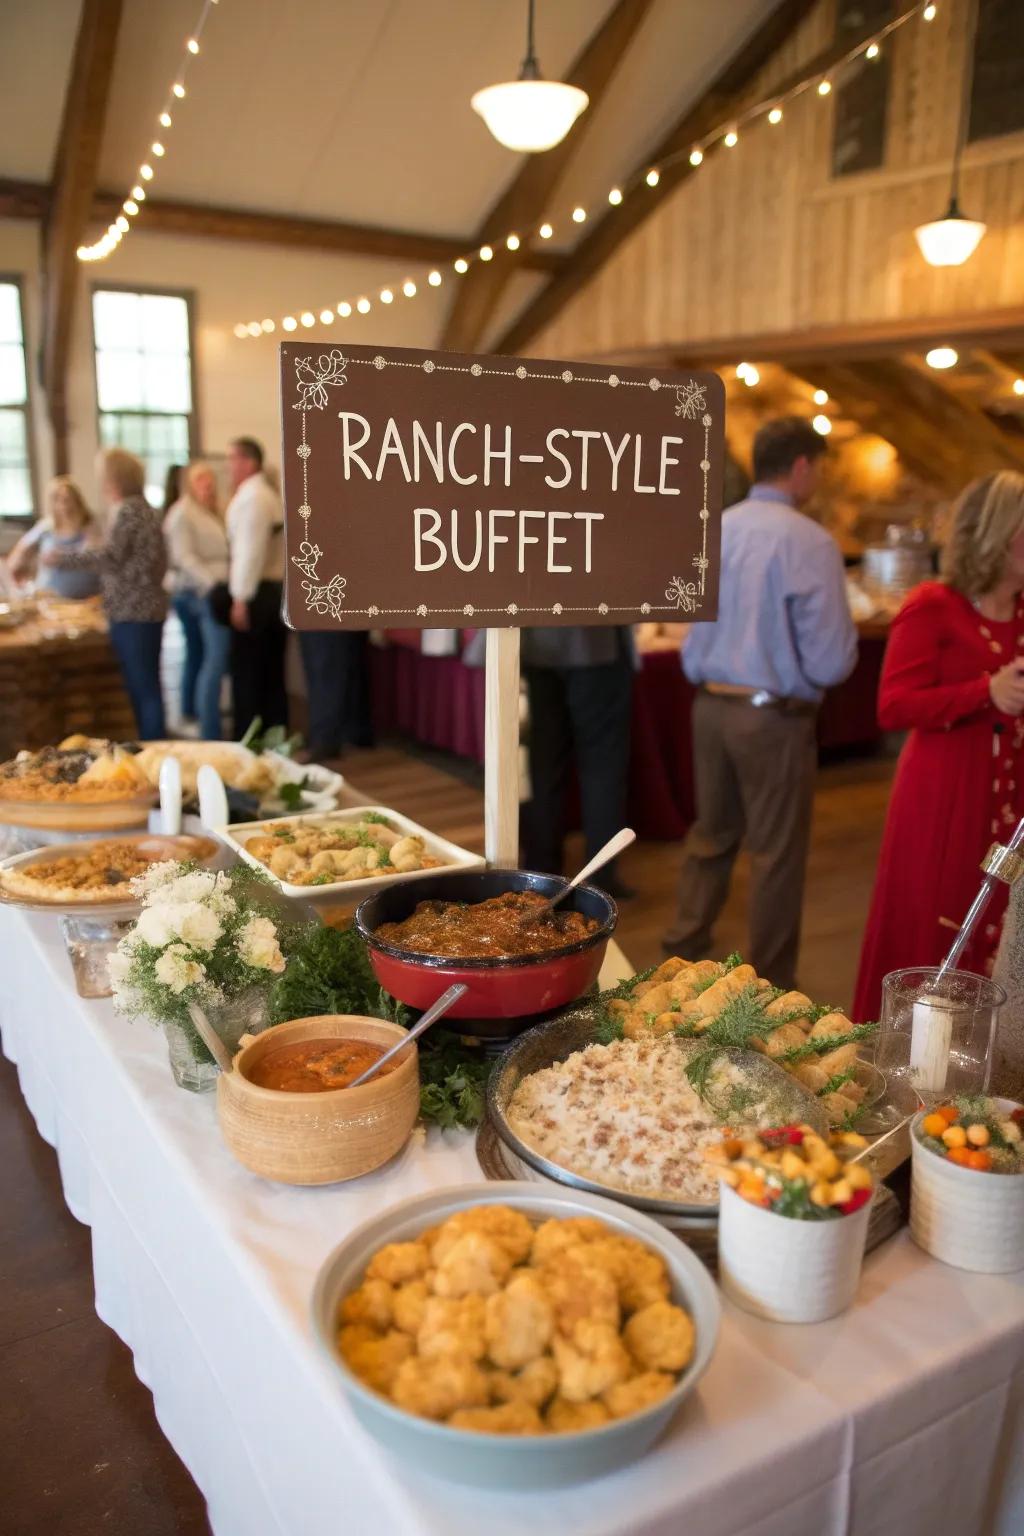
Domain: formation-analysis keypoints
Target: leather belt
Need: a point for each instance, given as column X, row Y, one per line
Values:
column 759, row 698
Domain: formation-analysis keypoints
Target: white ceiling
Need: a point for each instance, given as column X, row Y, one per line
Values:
column 350, row 109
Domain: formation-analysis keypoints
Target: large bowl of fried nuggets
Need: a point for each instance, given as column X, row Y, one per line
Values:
column 516, row 1337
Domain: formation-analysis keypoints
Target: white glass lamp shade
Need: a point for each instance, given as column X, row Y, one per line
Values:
column 948, row 242
column 530, row 115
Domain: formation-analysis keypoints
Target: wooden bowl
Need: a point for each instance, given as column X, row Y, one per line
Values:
column 318, row 1138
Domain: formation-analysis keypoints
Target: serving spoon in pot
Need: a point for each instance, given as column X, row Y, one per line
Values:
column 433, row 1013
column 612, row 848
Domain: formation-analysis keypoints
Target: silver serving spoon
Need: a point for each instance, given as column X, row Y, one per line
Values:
column 612, row 848
column 433, row 1013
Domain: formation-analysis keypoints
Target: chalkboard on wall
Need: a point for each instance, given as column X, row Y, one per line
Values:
column 862, row 99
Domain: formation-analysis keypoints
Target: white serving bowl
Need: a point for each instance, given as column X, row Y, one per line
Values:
column 965, row 1218
column 786, row 1270
column 513, row 1461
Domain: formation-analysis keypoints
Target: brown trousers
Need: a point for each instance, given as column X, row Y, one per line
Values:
column 754, row 777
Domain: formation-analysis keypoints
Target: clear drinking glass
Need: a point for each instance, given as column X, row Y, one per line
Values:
column 936, row 1037
column 89, row 941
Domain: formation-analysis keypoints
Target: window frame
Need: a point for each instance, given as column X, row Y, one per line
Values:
column 192, row 416
column 15, row 519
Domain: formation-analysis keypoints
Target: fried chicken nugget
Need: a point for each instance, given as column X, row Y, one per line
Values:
column 452, row 1326
column 638, row 1393
column 435, row 1388
column 408, row 1305
column 659, row 1337
column 668, row 970
column 593, row 1360
column 580, row 1292
column 506, row 1419
column 553, row 1237
column 789, row 1002
column 398, row 1262
column 518, row 1322
column 377, row 1361
column 635, row 1025
column 474, row 1264
column 639, row 1274
column 564, row 1417
column 372, row 1302
column 534, row 1384
column 510, row 1229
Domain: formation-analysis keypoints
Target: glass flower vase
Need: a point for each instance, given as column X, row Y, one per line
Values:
column 192, row 1065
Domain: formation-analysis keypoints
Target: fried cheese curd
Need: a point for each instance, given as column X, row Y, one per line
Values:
column 491, row 1324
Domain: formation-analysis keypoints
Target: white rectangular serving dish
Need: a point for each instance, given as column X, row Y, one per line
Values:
column 451, row 854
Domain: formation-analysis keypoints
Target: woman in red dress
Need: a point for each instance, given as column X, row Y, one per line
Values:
column 953, row 677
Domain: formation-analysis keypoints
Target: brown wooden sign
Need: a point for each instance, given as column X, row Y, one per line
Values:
column 434, row 489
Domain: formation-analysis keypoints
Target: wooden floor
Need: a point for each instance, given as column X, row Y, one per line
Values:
column 80, row 1450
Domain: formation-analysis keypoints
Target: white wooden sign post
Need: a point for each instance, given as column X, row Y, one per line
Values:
column 501, row 748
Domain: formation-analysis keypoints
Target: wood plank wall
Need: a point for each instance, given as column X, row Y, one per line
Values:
column 763, row 240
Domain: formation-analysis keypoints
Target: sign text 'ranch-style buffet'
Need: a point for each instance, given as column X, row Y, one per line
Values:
column 431, row 488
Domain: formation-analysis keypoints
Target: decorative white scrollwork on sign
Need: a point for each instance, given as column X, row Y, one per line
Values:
column 320, row 597
column 683, row 594
column 313, row 377
column 690, row 400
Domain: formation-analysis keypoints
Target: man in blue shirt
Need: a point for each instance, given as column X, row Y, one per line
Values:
column 783, row 635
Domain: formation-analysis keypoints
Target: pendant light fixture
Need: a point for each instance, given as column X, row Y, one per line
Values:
column 949, row 241
column 530, row 114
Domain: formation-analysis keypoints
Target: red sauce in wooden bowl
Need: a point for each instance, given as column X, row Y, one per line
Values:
column 316, row 1066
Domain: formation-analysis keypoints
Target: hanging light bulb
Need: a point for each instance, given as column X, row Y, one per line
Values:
column 513, row 242
column 267, row 326
column 929, row 12
column 254, row 328
column 178, row 89
column 1018, row 386
column 344, row 309
column 122, row 224
column 731, row 139
column 486, row 253
column 461, row 264
column 872, row 51
column 545, row 231
column 130, row 206
column 157, row 148
column 386, row 296
column 751, row 376
column 824, row 87
column 942, row 357
column 951, row 240
column 363, row 305
column 653, row 176
column 434, row 279
column 821, row 397
column 615, row 196
column 289, row 323
column 579, row 215
column 775, row 115
column 822, row 425
column 409, row 288
column 308, row 318
column 327, row 317
column 192, row 45
column 241, row 331
column 139, row 194
column 164, row 119
column 530, row 114
column 146, row 172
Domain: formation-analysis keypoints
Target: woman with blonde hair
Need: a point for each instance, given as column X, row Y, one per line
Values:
column 954, row 677
column 131, row 565
column 197, row 551
column 67, row 525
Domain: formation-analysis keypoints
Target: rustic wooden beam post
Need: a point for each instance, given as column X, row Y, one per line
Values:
column 74, row 183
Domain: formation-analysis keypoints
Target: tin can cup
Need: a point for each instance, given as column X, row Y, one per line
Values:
column 963, row 1217
column 786, row 1270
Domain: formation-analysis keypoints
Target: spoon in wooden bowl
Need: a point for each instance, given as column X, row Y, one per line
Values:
column 612, row 848
column 433, row 1013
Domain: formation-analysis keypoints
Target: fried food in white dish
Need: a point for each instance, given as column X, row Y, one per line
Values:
column 334, row 852
column 557, row 1329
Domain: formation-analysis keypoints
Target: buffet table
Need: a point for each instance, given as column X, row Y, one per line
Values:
column 906, row 1415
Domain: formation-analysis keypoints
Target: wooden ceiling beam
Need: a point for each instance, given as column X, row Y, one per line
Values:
column 32, row 199
column 724, row 97
column 519, row 209
column 73, row 186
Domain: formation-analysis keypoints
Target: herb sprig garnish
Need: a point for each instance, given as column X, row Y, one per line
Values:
column 825, row 1043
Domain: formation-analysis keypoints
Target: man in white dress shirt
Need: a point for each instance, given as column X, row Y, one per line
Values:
column 255, row 523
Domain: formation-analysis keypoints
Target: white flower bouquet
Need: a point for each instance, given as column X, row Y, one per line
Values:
column 202, row 939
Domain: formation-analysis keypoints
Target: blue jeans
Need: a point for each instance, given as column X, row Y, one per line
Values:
column 188, row 606
column 216, row 650
column 136, row 645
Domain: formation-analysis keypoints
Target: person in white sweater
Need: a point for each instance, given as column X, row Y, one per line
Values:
column 256, row 573
column 197, row 557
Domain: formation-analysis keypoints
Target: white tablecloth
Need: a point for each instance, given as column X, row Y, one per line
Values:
column 905, row 1416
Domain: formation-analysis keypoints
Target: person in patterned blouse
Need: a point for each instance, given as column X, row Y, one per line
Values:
column 131, row 563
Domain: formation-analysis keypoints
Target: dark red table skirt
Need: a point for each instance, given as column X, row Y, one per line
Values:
column 440, row 702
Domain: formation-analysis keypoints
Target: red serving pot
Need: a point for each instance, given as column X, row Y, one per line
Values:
column 496, row 989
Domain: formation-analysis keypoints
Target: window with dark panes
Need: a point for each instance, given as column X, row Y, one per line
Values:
column 144, row 378
column 16, row 499
column 997, row 92
column 862, row 96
